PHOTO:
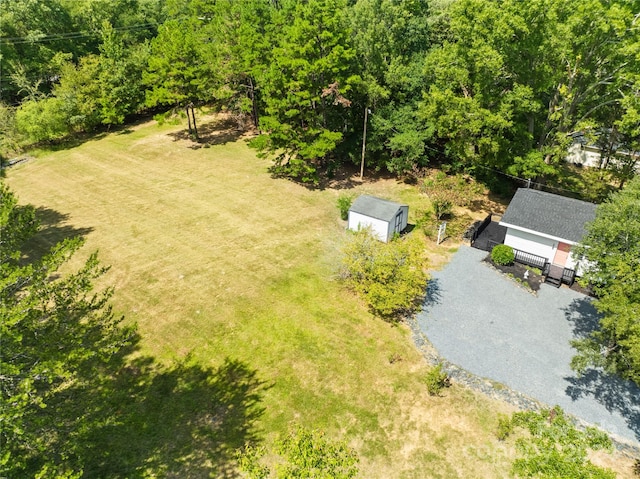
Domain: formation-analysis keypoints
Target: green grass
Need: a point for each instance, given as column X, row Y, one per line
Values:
column 214, row 259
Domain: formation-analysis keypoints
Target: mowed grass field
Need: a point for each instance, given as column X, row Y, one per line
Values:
column 214, row 258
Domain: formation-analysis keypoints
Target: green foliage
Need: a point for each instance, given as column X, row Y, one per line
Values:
column 504, row 104
column 554, row 447
column 344, row 203
column 177, row 72
column 43, row 120
column 436, row 380
column 55, row 333
column 313, row 63
column 390, row 277
column 612, row 248
column 502, row 254
column 301, row 454
column 505, row 427
column 10, row 139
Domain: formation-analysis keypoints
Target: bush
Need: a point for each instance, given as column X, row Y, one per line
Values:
column 505, row 427
column 551, row 446
column 390, row 277
column 436, row 380
column 344, row 203
column 502, row 255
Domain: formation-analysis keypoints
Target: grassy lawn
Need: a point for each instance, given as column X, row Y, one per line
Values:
column 213, row 258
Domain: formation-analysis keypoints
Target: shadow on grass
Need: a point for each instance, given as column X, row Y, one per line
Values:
column 217, row 132
column 53, row 229
column 148, row 420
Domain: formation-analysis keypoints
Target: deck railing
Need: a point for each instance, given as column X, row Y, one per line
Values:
column 535, row 261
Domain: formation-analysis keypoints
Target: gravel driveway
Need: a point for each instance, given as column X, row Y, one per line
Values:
column 485, row 323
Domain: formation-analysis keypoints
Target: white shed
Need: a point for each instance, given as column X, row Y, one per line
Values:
column 385, row 218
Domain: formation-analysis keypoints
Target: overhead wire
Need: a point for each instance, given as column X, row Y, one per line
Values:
column 70, row 35
column 528, row 181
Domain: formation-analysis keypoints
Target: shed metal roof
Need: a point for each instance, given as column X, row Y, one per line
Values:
column 376, row 207
column 550, row 214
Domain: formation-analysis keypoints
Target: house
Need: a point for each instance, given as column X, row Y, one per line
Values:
column 547, row 226
column 583, row 152
column 385, row 218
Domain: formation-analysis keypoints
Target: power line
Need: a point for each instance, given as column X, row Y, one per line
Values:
column 529, row 183
column 70, row 35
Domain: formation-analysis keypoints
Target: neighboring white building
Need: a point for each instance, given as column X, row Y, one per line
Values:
column 385, row 218
column 547, row 225
column 584, row 153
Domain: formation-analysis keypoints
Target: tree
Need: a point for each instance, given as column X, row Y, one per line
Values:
column 43, row 120
column 511, row 81
column 390, row 276
column 307, row 88
column 302, row 454
column 391, row 39
column 56, row 334
column 177, row 74
column 611, row 248
column 120, row 77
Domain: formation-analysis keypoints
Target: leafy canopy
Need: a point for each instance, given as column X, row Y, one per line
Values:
column 390, row 276
column 612, row 249
column 553, row 447
column 56, row 334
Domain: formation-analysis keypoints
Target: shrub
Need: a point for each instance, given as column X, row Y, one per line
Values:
column 551, row 446
column 344, row 203
column 390, row 277
column 505, row 427
column 502, row 255
column 436, row 380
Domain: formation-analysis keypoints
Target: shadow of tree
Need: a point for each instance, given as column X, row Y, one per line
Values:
column 220, row 131
column 584, row 317
column 433, row 294
column 616, row 394
column 613, row 392
column 53, row 229
column 149, row 420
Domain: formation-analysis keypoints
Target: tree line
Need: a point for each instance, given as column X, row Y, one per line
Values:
column 475, row 85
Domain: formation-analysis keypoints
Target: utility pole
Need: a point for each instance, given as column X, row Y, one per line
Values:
column 364, row 141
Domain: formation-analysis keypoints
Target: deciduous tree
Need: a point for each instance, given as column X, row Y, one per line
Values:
column 612, row 248
column 56, row 334
column 390, row 277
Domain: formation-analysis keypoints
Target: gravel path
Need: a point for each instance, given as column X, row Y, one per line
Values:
column 485, row 323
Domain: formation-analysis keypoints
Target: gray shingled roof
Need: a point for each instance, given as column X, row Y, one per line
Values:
column 554, row 215
column 375, row 207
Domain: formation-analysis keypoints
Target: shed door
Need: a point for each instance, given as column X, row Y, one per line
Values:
column 398, row 226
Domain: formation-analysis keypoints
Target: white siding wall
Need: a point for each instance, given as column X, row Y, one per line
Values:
column 583, row 155
column 580, row 265
column 530, row 243
column 378, row 227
